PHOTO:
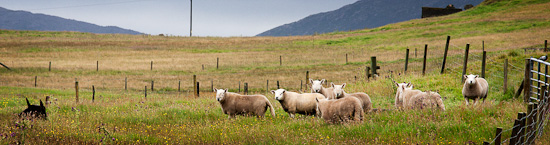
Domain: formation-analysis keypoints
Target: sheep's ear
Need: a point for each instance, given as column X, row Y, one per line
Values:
column 465, row 76
column 272, row 91
column 396, row 84
column 284, row 91
column 332, row 84
column 343, row 85
column 41, row 104
column 28, row 104
column 317, row 100
column 409, row 84
column 226, row 90
column 322, row 81
column 311, row 81
column 476, row 76
column 215, row 90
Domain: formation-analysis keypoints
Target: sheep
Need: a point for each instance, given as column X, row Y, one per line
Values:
column 474, row 88
column 364, row 98
column 407, row 94
column 400, row 87
column 426, row 99
column 35, row 110
column 236, row 104
column 293, row 102
column 340, row 110
column 317, row 87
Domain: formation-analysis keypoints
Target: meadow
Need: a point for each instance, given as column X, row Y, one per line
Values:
column 166, row 116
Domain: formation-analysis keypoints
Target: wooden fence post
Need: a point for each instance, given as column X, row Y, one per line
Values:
column 35, row 79
column 145, row 92
column 152, row 86
column 212, row 85
column 505, row 84
column 444, row 55
column 424, row 61
column 307, row 79
column 278, row 85
column 529, row 128
column 465, row 65
column 203, row 67
column 151, row 66
column 246, row 88
column 267, row 87
column 483, row 61
column 521, row 139
column 50, row 66
column 179, row 85
column 217, row 62
column 125, row 83
column 545, row 45
column 373, row 65
column 93, row 93
column 76, row 90
column 97, row 65
column 406, row 60
column 498, row 136
column 527, row 81
column 280, row 60
column 515, row 130
column 239, row 86
column 367, row 71
column 198, row 89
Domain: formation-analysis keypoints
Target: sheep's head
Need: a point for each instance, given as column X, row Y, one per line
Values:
column 278, row 94
column 438, row 100
column 220, row 94
column 316, row 85
column 338, row 90
column 320, row 103
column 403, row 86
column 470, row 79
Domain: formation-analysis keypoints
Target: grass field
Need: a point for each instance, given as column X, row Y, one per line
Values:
column 171, row 117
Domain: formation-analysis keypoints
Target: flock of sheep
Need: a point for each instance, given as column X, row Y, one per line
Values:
column 334, row 105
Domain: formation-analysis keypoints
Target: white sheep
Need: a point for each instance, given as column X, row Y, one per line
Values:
column 340, row 110
column 474, row 88
column 426, row 99
column 293, row 102
column 237, row 104
column 317, row 87
column 398, row 99
column 363, row 97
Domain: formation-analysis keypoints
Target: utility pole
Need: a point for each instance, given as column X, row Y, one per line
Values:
column 191, row 20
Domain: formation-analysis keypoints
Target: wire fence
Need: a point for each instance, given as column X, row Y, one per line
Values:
column 529, row 126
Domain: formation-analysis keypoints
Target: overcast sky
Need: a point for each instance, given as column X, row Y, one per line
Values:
column 210, row 17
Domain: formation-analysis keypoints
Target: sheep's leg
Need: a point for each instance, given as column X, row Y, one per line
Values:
column 291, row 115
column 467, row 101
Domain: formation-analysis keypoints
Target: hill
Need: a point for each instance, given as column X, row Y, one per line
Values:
column 360, row 15
column 23, row 20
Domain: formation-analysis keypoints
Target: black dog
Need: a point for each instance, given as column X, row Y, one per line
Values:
column 35, row 110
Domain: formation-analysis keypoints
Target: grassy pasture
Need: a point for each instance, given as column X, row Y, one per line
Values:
column 169, row 117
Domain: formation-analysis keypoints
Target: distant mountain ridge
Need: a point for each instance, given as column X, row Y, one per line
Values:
column 23, row 20
column 362, row 14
